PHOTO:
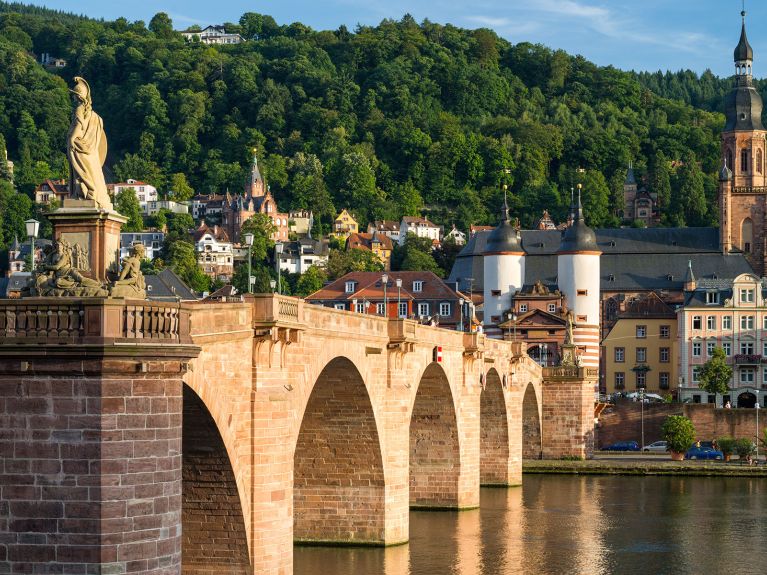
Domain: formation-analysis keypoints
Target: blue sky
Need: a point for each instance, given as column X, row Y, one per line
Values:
column 629, row 34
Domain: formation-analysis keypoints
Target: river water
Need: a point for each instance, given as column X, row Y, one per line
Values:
column 562, row 525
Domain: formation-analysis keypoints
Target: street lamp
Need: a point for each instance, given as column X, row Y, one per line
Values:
column 756, row 406
column 641, row 400
column 398, row 281
column 249, row 243
column 385, row 280
column 33, row 227
column 278, row 251
column 272, row 284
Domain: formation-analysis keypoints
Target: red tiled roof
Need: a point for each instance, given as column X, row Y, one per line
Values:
column 217, row 232
column 365, row 241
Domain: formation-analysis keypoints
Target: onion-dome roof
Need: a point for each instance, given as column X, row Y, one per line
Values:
column 578, row 237
column 505, row 238
column 743, row 50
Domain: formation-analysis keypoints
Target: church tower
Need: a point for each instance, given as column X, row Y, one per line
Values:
column 504, row 271
column 742, row 182
column 578, row 277
column 255, row 187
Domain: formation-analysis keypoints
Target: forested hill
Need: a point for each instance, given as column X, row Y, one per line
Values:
column 401, row 118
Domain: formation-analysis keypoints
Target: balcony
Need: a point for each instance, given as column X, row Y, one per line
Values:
column 747, row 359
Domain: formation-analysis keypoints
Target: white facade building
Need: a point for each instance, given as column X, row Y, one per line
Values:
column 212, row 35
column 421, row 227
column 299, row 256
column 176, row 207
column 152, row 241
column 145, row 193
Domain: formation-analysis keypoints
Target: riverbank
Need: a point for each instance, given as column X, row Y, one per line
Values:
column 649, row 467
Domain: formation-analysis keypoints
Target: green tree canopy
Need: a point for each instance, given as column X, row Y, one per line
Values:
column 127, row 204
column 262, row 228
column 715, row 374
column 341, row 262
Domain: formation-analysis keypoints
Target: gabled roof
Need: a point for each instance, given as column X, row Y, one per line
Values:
column 536, row 317
column 647, row 306
column 385, row 225
column 416, row 220
column 218, row 233
column 167, row 286
column 368, row 285
column 222, row 293
column 365, row 241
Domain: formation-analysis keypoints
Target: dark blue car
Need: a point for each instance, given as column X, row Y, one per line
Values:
column 622, row 446
column 703, row 453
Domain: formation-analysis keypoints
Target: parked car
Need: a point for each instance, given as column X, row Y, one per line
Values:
column 622, row 446
column 657, row 447
column 703, row 453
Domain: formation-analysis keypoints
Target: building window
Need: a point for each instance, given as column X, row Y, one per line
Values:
column 581, row 318
column 340, row 306
column 746, row 295
column 402, row 309
column 641, row 379
column 759, row 161
column 663, row 380
column 665, row 331
column 417, row 286
column 641, row 331
column 696, row 347
column 620, row 380
column 582, row 292
column 727, row 348
column 710, row 346
column 696, row 374
column 495, row 293
column 711, row 322
column 712, row 297
column 747, row 247
column 747, row 322
column 641, row 354
column 423, row 309
column 744, row 160
column 727, row 322
column 350, row 287
column 697, row 322
column 380, row 309
column 747, row 348
column 665, row 354
column 747, row 376
column 553, row 308
column 359, row 307
column 444, row 309
column 523, row 307
column 620, row 354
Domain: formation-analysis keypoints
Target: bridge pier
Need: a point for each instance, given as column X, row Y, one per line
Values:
column 568, row 411
column 90, row 436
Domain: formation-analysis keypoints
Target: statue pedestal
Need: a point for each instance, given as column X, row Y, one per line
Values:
column 569, row 355
column 95, row 231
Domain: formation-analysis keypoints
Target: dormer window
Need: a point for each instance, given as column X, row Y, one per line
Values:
column 418, row 286
column 712, row 297
column 350, row 287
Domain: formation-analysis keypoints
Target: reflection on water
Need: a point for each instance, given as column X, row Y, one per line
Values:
column 561, row 525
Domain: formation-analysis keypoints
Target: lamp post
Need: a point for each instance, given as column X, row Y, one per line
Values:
column 398, row 281
column 641, row 400
column 278, row 252
column 249, row 243
column 385, row 281
column 756, row 406
column 33, row 226
column 272, row 284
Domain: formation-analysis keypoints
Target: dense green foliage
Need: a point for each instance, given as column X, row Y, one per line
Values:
column 715, row 374
column 679, row 433
column 400, row 118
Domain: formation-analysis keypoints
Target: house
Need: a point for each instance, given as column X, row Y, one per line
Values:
column 227, row 293
column 204, row 205
column 51, row 190
column 457, row 236
column 151, row 239
column 730, row 314
column 421, row 227
column 417, row 295
column 389, row 228
column 640, row 350
column 19, row 252
column 212, row 35
column 167, row 286
column 475, row 229
column 145, row 193
column 12, row 286
column 344, row 225
column 379, row 244
column 299, row 255
column 257, row 199
column 176, row 207
column 51, row 61
column 300, row 222
column 214, row 252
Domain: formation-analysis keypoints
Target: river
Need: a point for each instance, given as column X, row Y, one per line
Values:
column 558, row 525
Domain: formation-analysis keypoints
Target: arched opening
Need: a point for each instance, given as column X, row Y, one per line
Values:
column 744, row 160
column 213, row 525
column 434, row 450
column 531, row 425
column 759, row 161
column 730, row 160
column 746, row 234
column 338, row 476
column 747, row 400
column 494, row 433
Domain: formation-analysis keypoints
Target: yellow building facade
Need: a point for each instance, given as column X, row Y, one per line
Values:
column 344, row 225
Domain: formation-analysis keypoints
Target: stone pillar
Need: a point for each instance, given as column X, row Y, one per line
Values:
column 90, row 435
column 567, row 428
column 96, row 231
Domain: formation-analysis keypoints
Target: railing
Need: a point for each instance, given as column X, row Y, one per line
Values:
column 150, row 321
column 402, row 329
column 273, row 308
column 749, row 190
column 747, row 359
column 20, row 320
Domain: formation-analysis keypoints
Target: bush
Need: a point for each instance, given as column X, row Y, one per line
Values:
column 726, row 445
column 679, row 433
column 744, row 447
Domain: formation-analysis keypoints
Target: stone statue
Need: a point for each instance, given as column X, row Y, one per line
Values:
column 131, row 281
column 540, row 289
column 58, row 276
column 87, row 149
column 80, row 259
column 569, row 328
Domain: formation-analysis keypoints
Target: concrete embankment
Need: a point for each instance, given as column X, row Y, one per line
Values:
column 653, row 467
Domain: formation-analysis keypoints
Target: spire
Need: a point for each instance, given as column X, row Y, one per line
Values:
column 743, row 51
column 578, row 237
column 505, row 239
column 255, row 185
column 630, row 179
column 505, row 211
column 689, row 279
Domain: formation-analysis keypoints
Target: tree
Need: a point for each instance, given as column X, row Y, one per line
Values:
column 341, row 263
column 310, row 281
column 139, row 168
column 262, row 228
column 179, row 188
column 182, row 259
column 161, row 25
column 679, row 433
column 5, row 172
column 715, row 374
column 419, row 261
column 127, row 204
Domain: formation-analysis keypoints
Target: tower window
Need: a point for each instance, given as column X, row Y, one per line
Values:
column 744, row 161
column 759, row 161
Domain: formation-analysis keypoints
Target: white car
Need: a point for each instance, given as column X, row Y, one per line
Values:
column 657, row 447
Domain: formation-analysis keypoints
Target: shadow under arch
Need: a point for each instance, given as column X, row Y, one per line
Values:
column 214, row 539
column 494, row 433
column 531, row 424
column 435, row 460
column 338, row 474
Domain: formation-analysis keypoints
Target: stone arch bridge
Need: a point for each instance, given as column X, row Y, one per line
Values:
column 134, row 434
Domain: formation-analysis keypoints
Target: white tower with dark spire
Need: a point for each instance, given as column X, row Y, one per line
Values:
column 504, row 271
column 578, row 277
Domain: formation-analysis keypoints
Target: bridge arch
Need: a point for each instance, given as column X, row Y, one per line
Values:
column 435, row 454
column 494, row 432
column 531, row 423
column 213, row 523
column 338, row 471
